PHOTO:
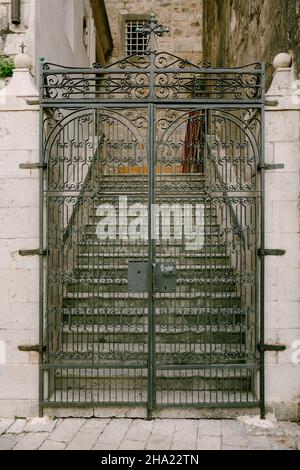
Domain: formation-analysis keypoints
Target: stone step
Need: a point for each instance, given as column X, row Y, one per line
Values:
column 173, row 317
column 91, row 240
column 161, row 337
column 213, row 380
column 138, row 396
column 121, row 299
column 181, row 269
column 137, row 353
column 183, row 284
column 190, row 258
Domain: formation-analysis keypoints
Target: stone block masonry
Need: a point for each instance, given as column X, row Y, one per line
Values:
column 239, row 32
column 182, row 17
column 282, row 300
column 19, row 276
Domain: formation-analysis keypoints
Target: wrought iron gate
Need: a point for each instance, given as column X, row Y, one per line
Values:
column 151, row 214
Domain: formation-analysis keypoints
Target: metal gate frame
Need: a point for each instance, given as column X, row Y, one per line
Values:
column 139, row 81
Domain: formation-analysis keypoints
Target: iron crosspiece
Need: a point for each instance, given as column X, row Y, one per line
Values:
column 152, row 28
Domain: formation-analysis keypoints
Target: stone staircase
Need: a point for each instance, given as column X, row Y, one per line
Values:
column 202, row 323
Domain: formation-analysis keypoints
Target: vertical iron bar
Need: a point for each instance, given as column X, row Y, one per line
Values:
column 41, row 244
column 262, row 261
column 151, row 263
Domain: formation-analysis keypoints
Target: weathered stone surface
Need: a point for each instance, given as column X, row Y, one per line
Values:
column 239, row 32
column 30, row 441
column 114, row 433
column 208, row 442
column 17, row 427
column 44, row 424
column 66, row 429
column 184, row 19
column 258, row 443
column 5, row 423
column 6, row 443
column 185, row 435
column 52, row 445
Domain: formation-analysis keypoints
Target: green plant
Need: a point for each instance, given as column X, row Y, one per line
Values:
column 6, row 67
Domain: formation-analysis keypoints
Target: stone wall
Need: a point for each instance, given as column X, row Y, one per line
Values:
column 54, row 30
column 11, row 36
column 19, row 230
column 282, row 279
column 182, row 17
column 238, row 32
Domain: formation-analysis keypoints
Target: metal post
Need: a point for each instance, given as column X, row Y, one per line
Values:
column 41, row 246
column 262, row 268
column 151, row 265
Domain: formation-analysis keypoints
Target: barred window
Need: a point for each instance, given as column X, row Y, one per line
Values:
column 135, row 42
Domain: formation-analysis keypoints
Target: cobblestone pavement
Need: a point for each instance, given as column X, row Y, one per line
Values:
column 133, row 434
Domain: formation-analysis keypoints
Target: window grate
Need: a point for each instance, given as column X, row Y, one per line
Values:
column 136, row 43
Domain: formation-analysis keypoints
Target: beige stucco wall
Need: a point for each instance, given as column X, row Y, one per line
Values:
column 59, row 32
column 51, row 29
column 182, row 17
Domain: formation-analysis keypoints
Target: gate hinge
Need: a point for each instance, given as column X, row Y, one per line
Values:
column 33, row 252
column 35, row 347
column 270, row 252
column 271, row 347
column 270, row 166
column 271, row 102
column 33, row 166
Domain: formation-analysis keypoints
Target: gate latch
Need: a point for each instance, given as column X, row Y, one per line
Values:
column 35, row 348
column 270, row 166
column 165, row 277
column 271, row 347
column 138, row 276
column 270, row 252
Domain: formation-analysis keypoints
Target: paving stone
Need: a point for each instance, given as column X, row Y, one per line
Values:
column 31, row 441
column 101, row 446
column 83, row 441
column 258, row 443
column 95, row 425
column 66, row 429
column 281, row 445
column 17, row 427
column 159, row 442
column 234, row 440
column 224, row 447
column 5, row 423
column 290, row 428
column 161, row 436
column 232, row 427
column 209, row 427
column 6, row 443
column 185, row 435
column 128, row 444
column 44, row 424
column 52, row 445
column 139, row 430
column 114, row 433
column 208, row 443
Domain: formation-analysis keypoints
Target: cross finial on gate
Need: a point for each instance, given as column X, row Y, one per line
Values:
column 152, row 28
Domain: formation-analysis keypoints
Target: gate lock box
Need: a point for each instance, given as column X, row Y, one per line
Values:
column 164, row 277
